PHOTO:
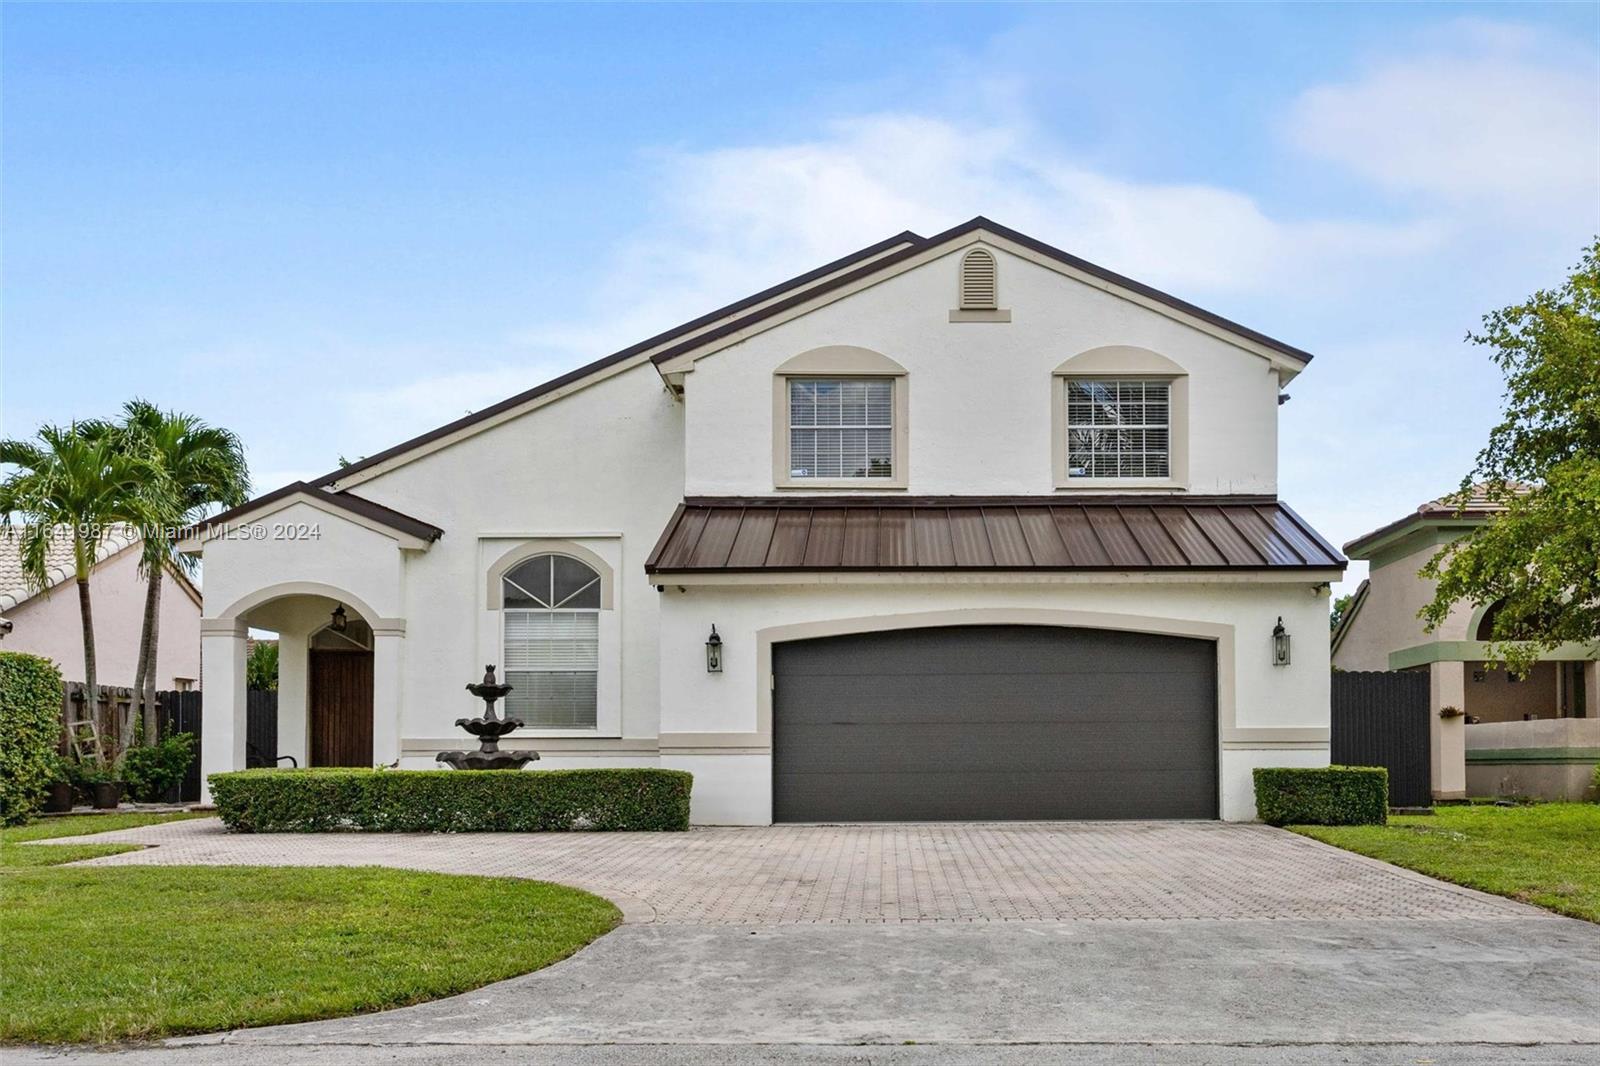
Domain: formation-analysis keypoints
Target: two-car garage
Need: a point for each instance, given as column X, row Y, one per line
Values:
column 994, row 723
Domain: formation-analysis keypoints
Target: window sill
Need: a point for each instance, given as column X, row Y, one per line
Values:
column 860, row 484
column 980, row 316
column 1100, row 484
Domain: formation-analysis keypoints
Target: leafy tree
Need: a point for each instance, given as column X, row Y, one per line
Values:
column 197, row 466
column 261, row 668
column 1340, row 606
column 73, row 481
column 1540, row 558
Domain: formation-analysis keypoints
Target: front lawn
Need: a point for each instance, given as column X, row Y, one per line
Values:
column 1547, row 854
column 13, row 853
column 122, row 953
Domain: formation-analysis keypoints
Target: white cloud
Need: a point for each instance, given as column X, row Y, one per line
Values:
column 1482, row 114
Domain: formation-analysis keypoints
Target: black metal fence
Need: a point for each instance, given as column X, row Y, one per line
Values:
column 181, row 713
column 1381, row 719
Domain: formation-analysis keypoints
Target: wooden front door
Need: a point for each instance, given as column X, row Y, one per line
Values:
column 341, row 708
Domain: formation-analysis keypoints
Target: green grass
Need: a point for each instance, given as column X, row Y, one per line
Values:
column 13, row 854
column 123, row 953
column 1547, row 854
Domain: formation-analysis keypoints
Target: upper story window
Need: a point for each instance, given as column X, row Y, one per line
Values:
column 551, row 610
column 1119, row 428
column 841, row 428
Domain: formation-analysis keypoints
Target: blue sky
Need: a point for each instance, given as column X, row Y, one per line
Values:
column 332, row 226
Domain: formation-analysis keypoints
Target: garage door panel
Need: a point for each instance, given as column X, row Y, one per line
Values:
column 994, row 722
column 1089, row 696
column 1026, row 649
column 1008, row 796
column 959, row 748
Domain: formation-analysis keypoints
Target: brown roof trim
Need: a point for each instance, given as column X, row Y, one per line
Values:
column 1357, row 598
column 957, row 232
column 1229, row 534
column 1416, row 519
column 357, row 505
column 906, row 237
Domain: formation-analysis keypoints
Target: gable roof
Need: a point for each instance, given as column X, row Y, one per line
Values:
column 359, row 506
column 606, row 362
column 1479, row 505
column 742, row 314
column 957, row 233
column 61, row 567
column 1357, row 598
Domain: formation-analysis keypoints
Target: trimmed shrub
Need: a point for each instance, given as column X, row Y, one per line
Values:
column 30, row 729
column 1323, row 795
column 151, row 771
column 452, row 801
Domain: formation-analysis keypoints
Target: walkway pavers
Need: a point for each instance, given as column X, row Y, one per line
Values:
column 887, row 874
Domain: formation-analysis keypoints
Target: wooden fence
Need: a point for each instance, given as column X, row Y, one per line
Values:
column 181, row 712
column 177, row 712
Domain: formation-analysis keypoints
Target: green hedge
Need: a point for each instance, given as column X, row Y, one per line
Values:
column 30, row 729
column 1324, row 795
column 452, row 801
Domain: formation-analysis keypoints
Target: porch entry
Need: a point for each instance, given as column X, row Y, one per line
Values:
column 340, row 695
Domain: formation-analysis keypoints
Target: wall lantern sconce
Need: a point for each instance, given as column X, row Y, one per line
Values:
column 714, row 652
column 339, row 621
column 1280, row 644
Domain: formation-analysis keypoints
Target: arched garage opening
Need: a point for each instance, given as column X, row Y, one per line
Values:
column 994, row 722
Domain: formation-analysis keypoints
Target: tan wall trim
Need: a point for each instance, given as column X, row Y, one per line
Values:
column 902, row 421
column 970, row 315
column 413, row 747
column 316, row 501
column 284, row 589
column 516, row 554
column 841, row 360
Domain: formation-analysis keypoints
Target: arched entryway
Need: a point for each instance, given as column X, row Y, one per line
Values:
column 339, row 693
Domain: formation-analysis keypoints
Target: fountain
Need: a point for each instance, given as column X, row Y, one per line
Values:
column 488, row 728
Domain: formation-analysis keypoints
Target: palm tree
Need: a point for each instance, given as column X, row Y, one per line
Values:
column 72, row 481
column 198, row 467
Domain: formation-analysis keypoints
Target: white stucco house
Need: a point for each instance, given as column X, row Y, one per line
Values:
column 984, row 531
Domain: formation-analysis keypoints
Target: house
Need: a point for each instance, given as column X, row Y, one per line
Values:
column 955, row 527
column 1499, row 734
column 50, row 623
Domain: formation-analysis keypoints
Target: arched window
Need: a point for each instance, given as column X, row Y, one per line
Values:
column 980, row 290
column 551, row 611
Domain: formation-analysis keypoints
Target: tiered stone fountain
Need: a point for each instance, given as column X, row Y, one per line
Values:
column 488, row 728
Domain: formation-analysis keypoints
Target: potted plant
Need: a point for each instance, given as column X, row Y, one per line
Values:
column 58, row 793
column 105, row 791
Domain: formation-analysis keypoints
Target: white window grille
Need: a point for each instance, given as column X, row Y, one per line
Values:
column 1119, row 429
column 551, row 612
column 841, row 428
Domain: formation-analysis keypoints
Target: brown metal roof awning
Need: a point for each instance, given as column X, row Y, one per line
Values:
column 745, row 535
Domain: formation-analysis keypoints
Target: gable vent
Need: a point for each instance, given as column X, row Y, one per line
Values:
column 979, row 286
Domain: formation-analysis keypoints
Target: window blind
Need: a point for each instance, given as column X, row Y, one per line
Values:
column 841, row 428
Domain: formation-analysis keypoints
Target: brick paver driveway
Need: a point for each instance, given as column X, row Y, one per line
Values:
column 948, row 872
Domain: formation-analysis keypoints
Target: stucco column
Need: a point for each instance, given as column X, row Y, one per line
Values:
column 1447, row 683
column 1591, row 689
column 222, row 680
column 293, row 693
column 388, row 663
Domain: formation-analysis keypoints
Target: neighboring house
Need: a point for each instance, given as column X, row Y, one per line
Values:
column 983, row 531
column 50, row 623
column 1380, row 630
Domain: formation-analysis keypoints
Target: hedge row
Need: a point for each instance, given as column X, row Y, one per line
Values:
column 1324, row 795
column 30, row 729
column 452, row 801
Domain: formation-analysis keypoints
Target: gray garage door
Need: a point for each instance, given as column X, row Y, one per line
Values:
column 994, row 722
